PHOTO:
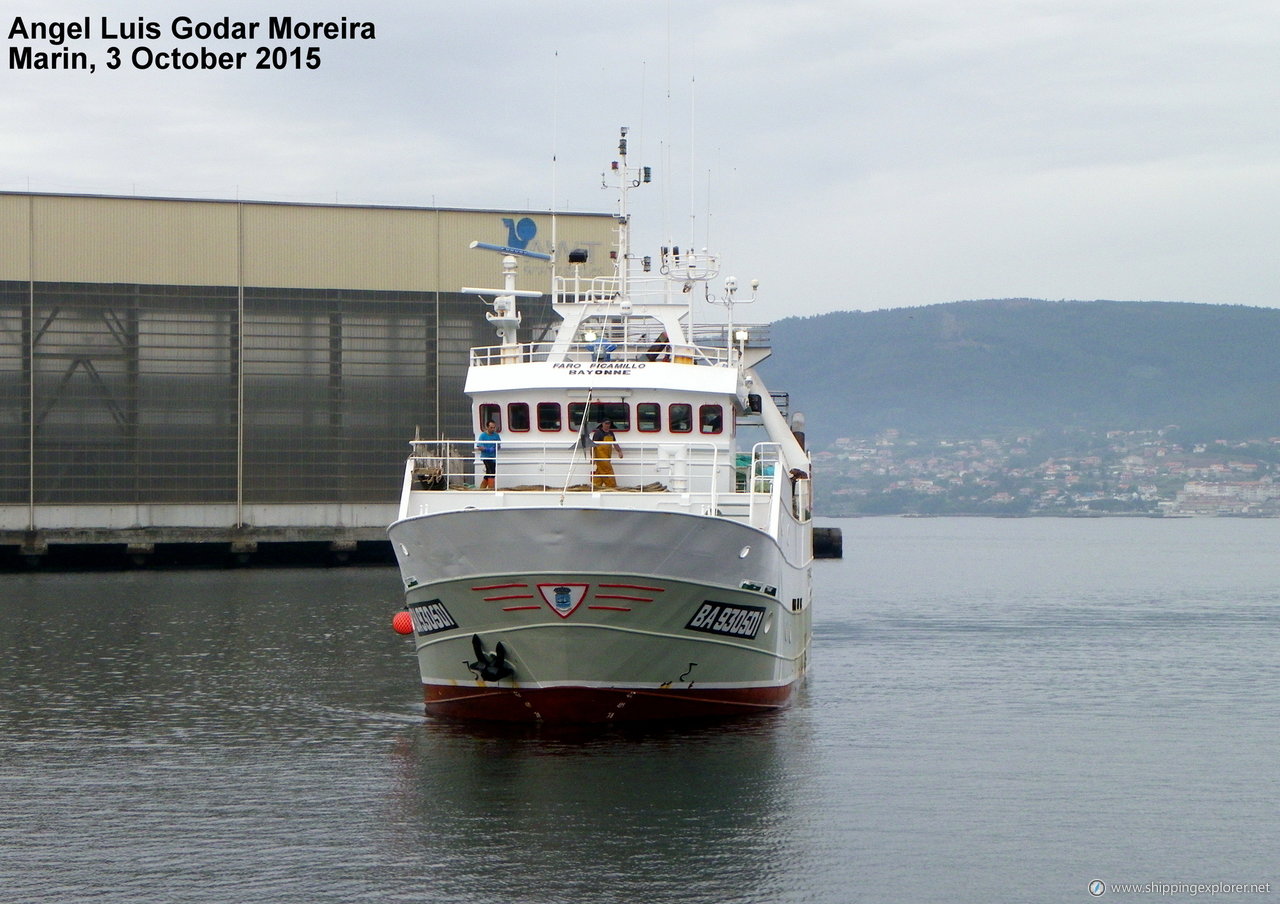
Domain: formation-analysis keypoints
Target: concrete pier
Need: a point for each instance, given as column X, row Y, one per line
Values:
column 126, row 536
column 159, row 547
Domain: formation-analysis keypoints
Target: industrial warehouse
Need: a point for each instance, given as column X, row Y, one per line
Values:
column 231, row 374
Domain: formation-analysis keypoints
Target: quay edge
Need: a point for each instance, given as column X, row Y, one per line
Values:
column 78, row 548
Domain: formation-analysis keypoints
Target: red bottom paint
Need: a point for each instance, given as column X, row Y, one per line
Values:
column 593, row 705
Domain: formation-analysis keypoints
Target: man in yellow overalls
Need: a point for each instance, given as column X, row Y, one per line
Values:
column 603, row 446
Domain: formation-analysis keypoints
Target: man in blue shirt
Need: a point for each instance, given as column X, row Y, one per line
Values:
column 487, row 446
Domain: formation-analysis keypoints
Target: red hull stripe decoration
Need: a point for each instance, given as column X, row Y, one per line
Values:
column 514, row 596
column 632, row 587
column 618, row 596
column 518, row 608
column 612, row 608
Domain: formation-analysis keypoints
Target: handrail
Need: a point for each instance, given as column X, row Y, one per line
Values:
column 708, row 344
column 604, row 350
column 670, row 284
column 763, row 482
column 526, row 465
column 700, row 476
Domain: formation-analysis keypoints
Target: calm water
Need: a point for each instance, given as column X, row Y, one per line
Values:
column 1000, row 710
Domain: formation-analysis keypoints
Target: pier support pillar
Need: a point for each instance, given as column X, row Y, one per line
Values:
column 242, row 551
column 341, row 551
column 33, row 549
column 140, row 553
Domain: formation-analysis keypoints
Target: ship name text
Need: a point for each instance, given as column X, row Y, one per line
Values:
column 598, row 368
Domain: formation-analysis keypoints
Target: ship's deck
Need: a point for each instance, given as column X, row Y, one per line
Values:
column 699, row 478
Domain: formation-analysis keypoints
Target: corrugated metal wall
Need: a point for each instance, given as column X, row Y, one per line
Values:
column 197, row 352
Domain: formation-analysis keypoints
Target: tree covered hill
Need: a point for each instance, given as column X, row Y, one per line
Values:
column 977, row 366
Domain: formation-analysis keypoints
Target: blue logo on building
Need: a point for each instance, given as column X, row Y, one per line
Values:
column 519, row 232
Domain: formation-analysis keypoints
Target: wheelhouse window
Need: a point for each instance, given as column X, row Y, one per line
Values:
column 518, row 416
column 710, row 419
column 649, row 417
column 548, row 416
column 618, row 412
column 680, row 417
column 490, row 413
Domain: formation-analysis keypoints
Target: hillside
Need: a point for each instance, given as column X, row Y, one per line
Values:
column 975, row 366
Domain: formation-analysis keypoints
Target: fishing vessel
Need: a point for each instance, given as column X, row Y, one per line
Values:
column 631, row 536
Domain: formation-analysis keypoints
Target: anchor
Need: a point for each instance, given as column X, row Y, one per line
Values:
column 490, row 666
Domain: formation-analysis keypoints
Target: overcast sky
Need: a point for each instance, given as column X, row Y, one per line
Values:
column 851, row 154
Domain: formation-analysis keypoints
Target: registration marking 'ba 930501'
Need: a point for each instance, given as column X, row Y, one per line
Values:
column 430, row 617
column 727, row 619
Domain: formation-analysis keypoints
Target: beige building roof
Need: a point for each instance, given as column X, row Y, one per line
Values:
column 164, row 241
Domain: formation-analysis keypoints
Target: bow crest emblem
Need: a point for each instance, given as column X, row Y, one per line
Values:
column 563, row 598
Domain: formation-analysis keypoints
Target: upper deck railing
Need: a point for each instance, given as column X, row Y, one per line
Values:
column 645, row 287
column 685, row 467
column 711, row 478
column 708, row 347
column 701, row 467
column 600, row 351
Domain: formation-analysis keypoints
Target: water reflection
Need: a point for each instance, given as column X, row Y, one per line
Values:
column 688, row 813
column 215, row 657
